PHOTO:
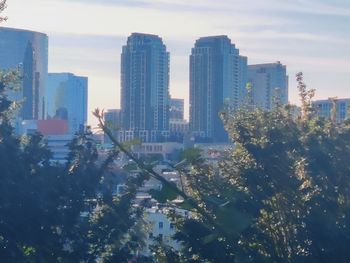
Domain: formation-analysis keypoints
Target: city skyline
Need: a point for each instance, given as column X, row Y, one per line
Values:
column 309, row 36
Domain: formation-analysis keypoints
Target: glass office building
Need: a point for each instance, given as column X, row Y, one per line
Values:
column 66, row 99
column 27, row 51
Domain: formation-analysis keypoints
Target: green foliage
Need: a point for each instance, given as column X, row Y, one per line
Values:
column 60, row 213
column 282, row 194
column 190, row 154
column 165, row 194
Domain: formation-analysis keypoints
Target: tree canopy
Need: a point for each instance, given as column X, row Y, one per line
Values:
column 60, row 213
column 280, row 194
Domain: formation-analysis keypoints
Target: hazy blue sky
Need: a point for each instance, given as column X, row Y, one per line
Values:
column 86, row 37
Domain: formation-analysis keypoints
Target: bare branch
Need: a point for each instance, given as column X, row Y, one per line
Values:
column 208, row 218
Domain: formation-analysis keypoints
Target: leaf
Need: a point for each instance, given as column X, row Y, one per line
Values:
column 210, row 238
column 232, row 220
column 165, row 194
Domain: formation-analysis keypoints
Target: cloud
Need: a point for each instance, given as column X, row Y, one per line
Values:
column 129, row 3
column 325, row 7
column 170, row 5
column 90, row 54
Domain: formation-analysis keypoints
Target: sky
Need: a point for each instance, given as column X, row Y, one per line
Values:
column 86, row 38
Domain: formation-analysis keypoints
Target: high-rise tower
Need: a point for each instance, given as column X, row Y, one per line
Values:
column 269, row 83
column 145, row 88
column 27, row 51
column 217, row 80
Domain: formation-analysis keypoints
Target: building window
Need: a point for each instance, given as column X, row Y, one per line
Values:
column 160, row 224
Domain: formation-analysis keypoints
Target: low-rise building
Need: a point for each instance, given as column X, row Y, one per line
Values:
column 164, row 150
column 59, row 146
column 162, row 228
column 324, row 108
column 55, row 135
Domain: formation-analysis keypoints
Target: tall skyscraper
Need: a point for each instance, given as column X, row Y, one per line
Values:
column 28, row 51
column 145, row 88
column 217, row 80
column 66, row 99
column 269, row 82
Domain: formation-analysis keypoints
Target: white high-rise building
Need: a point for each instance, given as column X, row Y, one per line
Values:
column 269, row 84
column 145, row 89
column 217, row 80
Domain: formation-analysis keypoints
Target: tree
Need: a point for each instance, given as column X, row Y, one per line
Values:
column 60, row 213
column 283, row 189
column 281, row 194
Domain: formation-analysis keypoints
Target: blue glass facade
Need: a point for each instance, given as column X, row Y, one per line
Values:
column 28, row 51
column 66, row 99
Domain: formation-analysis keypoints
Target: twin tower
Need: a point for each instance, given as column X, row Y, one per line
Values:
column 218, row 77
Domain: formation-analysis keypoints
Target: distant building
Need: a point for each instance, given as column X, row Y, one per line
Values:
column 269, row 84
column 243, row 78
column 324, row 108
column 113, row 120
column 145, row 89
column 176, row 109
column 59, row 146
column 27, row 51
column 161, row 228
column 28, row 127
column 55, row 135
column 66, row 99
column 45, row 127
column 217, row 80
column 164, row 150
column 53, row 127
column 178, row 126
